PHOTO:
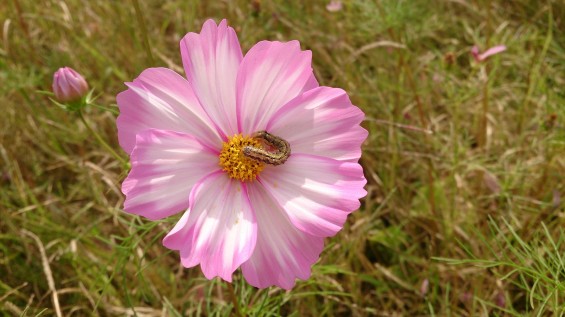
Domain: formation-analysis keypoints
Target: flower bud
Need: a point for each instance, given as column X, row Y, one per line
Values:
column 68, row 85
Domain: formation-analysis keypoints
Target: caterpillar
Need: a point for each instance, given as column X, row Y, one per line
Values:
column 277, row 157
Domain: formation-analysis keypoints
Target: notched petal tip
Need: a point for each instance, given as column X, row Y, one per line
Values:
column 211, row 61
column 317, row 193
column 283, row 253
column 271, row 74
column 219, row 231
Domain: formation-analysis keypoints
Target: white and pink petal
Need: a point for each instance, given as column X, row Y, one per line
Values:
column 282, row 253
column 219, row 229
column 161, row 99
column 270, row 75
column 310, row 84
column 165, row 167
column 322, row 122
column 317, row 193
column 211, row 61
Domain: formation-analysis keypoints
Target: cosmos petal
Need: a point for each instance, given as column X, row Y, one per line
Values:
column 270, row 75
column 316, row 192
column 211, row 61
column 165, row 167
column 492, row 51
column 311, row 83
column 321, row 122
column 63, row 85
column 282, row 253
column 219, row 229
column 161, row 99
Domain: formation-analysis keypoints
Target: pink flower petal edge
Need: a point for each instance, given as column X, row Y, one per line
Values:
column 317, row 193
column 270, row 75
column 282, row 253
column 219, row 239
column 159, row 98
column 321, row 121
column 211, row 61
column 165, row 166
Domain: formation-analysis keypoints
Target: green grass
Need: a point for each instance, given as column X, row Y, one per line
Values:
column 465, row 162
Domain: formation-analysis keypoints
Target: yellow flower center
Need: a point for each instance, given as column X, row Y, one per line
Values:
column 236, row 164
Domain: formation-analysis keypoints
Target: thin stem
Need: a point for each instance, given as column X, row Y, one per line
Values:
column 417, row 99
column 534, row 72
column 25, row 29
column 143, row 28
column 100, row 140
column 425, row 123
column 483, row 120
column 234, row 300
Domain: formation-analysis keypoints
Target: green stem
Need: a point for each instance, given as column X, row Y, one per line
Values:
column 143, row 28
column 100, row 140
column 236, row 309
column 483, row 120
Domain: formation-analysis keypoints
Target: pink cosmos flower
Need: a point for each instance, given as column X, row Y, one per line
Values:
column 68, row 85
column 262, row 158
column 479, row 57
column 334, row 6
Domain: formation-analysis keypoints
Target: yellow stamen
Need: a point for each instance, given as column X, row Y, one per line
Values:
column 235, row 163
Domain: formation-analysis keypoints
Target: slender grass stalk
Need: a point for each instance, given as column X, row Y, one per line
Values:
column 533, row 76
column 101, row 140
column 143, row 28
column 424, row 123
column 25, row 29
column 237, row 310
column 482, row 125
column 483, row 119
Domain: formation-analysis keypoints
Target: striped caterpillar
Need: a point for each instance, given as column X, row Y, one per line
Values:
column 277, row 157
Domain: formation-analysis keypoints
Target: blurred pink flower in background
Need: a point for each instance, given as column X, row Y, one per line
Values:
column 424, row 287
column 500, row 299
column 68, row 85
column 334, row 6
column 479, row 57
column 199, row 145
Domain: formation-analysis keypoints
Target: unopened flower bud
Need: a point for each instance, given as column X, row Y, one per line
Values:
column 68, row 85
